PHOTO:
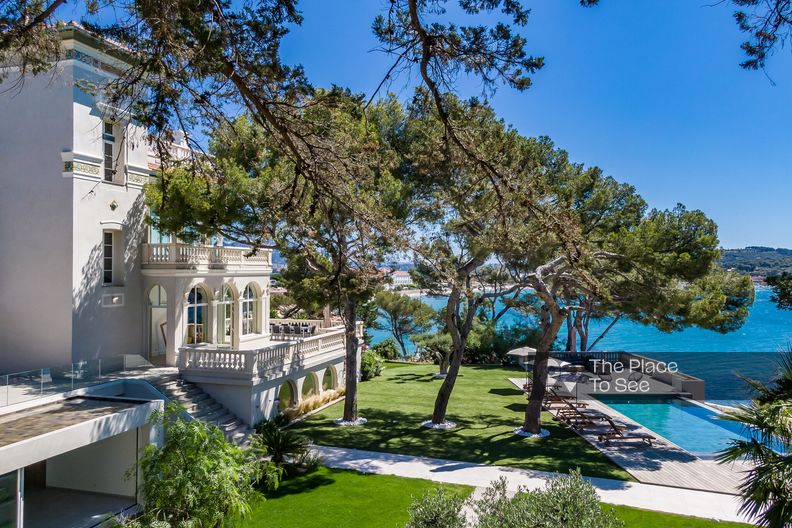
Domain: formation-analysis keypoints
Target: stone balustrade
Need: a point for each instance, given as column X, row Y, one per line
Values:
column 267, row 362
column 178, row 255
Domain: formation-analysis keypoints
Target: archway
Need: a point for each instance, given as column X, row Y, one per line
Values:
column 157, row 321
column 225, row 316
column 310, row 385
column 286, row 396
column 197, row 315
column 329, row 379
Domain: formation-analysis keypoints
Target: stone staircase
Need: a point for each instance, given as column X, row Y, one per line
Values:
column 203, row 407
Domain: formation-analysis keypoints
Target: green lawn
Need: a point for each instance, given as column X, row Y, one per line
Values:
column 636, row 518
column 331, row 498
column 341, row 499
column 486, row 408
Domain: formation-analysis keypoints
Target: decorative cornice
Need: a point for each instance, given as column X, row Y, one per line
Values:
column 137, row 178
column 80, row 56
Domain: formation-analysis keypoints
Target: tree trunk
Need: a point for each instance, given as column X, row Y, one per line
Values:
column 571, row 343
column 581, row 325
column 612, row 323
column 400, row 340
column 442, row 359
column 459, row 335
column 444, row 394
column 350, row 323
column 552, row 318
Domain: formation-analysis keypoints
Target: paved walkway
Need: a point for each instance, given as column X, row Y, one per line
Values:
column 719, row 506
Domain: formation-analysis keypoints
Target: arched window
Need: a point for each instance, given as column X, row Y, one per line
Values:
column 157, row 296
column 249, row 310
column 197, row 308
column 309, row 385
column 286, row 396
column 226, row 316
column 328, row 380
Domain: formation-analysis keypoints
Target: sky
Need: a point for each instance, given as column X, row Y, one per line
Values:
column 650, row 91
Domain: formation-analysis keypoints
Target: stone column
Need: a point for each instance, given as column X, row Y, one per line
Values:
column 174, row 327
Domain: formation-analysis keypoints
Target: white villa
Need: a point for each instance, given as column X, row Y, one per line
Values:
column 89, row 288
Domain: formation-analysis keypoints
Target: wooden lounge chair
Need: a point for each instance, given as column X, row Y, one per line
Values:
column 553, row 398
column 619, row 432
column 581, row 418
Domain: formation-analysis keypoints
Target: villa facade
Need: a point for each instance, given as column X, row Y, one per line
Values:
column 102, row 317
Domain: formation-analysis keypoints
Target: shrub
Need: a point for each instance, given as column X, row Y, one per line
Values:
column 279, row 443
column 370, row 365
column 312, row 403
column 308, row 461
column 565, row 502
column 389, row 349
column 197, row 477
column 437, row 509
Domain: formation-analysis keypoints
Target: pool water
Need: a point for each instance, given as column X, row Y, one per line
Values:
column 692, row 427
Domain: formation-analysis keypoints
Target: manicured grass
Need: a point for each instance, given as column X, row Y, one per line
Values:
column 336, row 498
column 486, row 408
column 637, row 518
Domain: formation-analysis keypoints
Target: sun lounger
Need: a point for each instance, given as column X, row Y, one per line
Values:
column 619, row 432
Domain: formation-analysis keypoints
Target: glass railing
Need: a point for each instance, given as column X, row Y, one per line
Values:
column 32, row 384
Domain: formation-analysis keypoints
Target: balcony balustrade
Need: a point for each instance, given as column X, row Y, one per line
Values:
column 178, row 255
column 268, row 362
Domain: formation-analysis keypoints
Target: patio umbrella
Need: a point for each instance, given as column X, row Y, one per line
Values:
column 523, row 352
column 555, row 363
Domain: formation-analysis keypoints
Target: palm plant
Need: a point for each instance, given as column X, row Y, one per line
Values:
column 780, row 387
column 280, row 444
column 767, row 487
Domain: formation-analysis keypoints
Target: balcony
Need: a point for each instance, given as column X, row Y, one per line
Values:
column 276, row 360
column 194, row 257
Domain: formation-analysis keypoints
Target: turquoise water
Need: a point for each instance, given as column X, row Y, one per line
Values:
column 692, row 427
column 767, row 329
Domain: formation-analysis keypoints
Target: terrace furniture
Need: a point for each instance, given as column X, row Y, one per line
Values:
column 635, row 375
column 618, row 432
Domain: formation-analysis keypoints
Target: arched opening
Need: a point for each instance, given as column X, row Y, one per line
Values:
column 328, row 379
column 157, row 317
column 249, row 309
column 225, row 316
column 197, row 315
column 286, row 397
column 310, row 385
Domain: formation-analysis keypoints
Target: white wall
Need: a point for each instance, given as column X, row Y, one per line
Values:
column 255, row 401
column 35, row 223
column 100, row 328
column 100, row 467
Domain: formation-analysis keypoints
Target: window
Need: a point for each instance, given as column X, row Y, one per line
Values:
column 248, row 310
column 107, row 257
column 197, row 307
column 226, row 316
column 108, row 137
column 155, row 235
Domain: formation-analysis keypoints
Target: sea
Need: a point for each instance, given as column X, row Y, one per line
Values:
column 721, row 359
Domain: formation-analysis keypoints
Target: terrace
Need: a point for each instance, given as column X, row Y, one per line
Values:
column 179, row 255
column 307, row 343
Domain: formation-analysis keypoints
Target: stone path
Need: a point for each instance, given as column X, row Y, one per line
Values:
column 718, row 506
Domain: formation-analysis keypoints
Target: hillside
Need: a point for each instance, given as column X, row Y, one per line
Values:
column 758, row 260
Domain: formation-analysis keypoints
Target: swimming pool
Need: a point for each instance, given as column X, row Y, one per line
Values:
column 692, row 427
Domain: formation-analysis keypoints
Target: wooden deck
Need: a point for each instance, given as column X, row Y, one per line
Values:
column 663, row 463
